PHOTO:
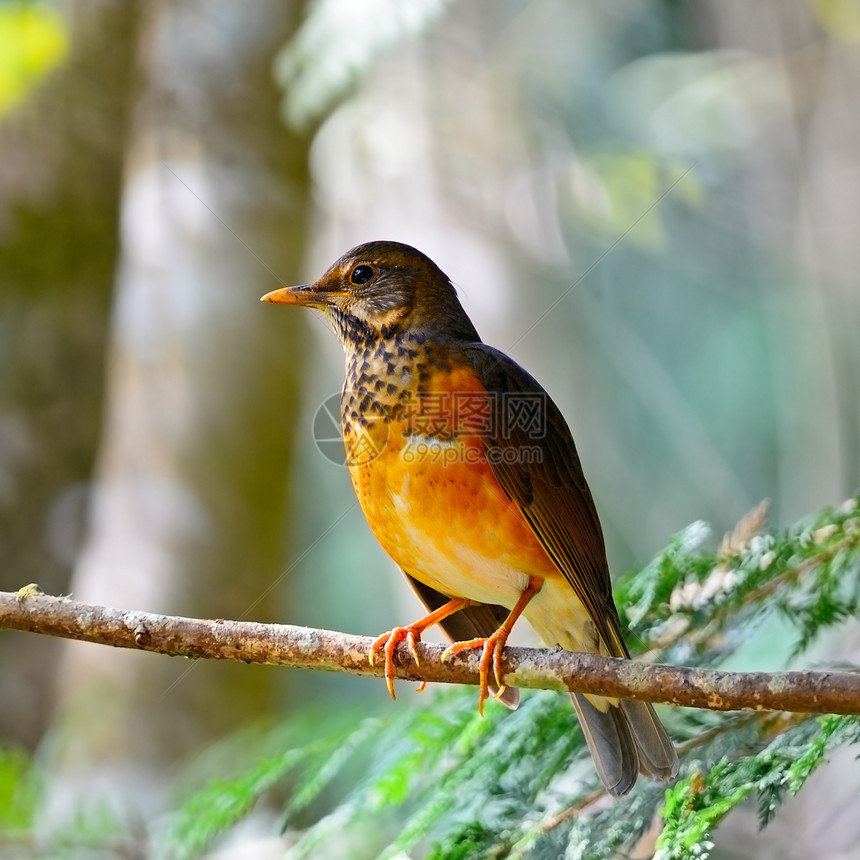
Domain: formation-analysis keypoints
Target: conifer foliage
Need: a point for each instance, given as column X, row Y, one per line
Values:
column 439, row 781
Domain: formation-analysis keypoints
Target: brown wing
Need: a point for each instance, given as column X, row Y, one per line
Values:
column 480, row 620
column 550, row 489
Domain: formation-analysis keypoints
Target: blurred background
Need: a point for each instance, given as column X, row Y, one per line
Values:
column 652, row 205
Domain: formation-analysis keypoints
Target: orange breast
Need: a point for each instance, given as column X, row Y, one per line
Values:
column 434, row 504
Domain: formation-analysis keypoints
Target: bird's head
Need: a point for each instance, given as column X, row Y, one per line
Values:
column 381, row 289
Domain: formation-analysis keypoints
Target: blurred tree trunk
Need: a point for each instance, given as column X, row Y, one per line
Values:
column 190, row 499
column 60, row 175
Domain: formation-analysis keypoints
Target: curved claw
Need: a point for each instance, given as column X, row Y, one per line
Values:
column 494, row 644
column 411, row 639
column 387, row 643
column 492, row 647
column 498, row 647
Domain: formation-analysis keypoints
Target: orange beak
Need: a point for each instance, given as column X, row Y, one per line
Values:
column 300, row 295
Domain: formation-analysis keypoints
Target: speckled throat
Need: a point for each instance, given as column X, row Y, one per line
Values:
column 385, row 377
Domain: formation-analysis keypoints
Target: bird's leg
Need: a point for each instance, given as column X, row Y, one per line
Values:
column 494, row 645
column 411, row 634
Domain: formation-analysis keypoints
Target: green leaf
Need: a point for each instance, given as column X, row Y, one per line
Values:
column 19, row 790
column 34, row 42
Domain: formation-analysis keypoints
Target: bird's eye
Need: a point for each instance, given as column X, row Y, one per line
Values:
column 361, row 275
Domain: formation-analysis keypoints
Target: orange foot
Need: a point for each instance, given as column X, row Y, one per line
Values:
column 494, row 645
column 389, row 641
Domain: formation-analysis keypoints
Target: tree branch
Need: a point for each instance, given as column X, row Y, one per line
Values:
column 302, row 647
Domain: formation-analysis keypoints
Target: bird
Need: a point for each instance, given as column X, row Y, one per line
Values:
column 468, row 475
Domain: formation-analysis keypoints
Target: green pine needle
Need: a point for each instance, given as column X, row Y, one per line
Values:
column 441, row 782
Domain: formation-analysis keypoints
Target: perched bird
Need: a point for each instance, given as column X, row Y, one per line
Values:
column 469, row 477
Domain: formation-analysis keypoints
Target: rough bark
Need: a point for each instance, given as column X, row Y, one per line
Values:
column 822, row 692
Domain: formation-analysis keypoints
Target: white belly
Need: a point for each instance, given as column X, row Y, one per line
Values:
column 449, row 566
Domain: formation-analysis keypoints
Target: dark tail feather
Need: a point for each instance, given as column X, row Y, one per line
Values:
column 657, row 756
column 611, row 743
column 623, row 740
